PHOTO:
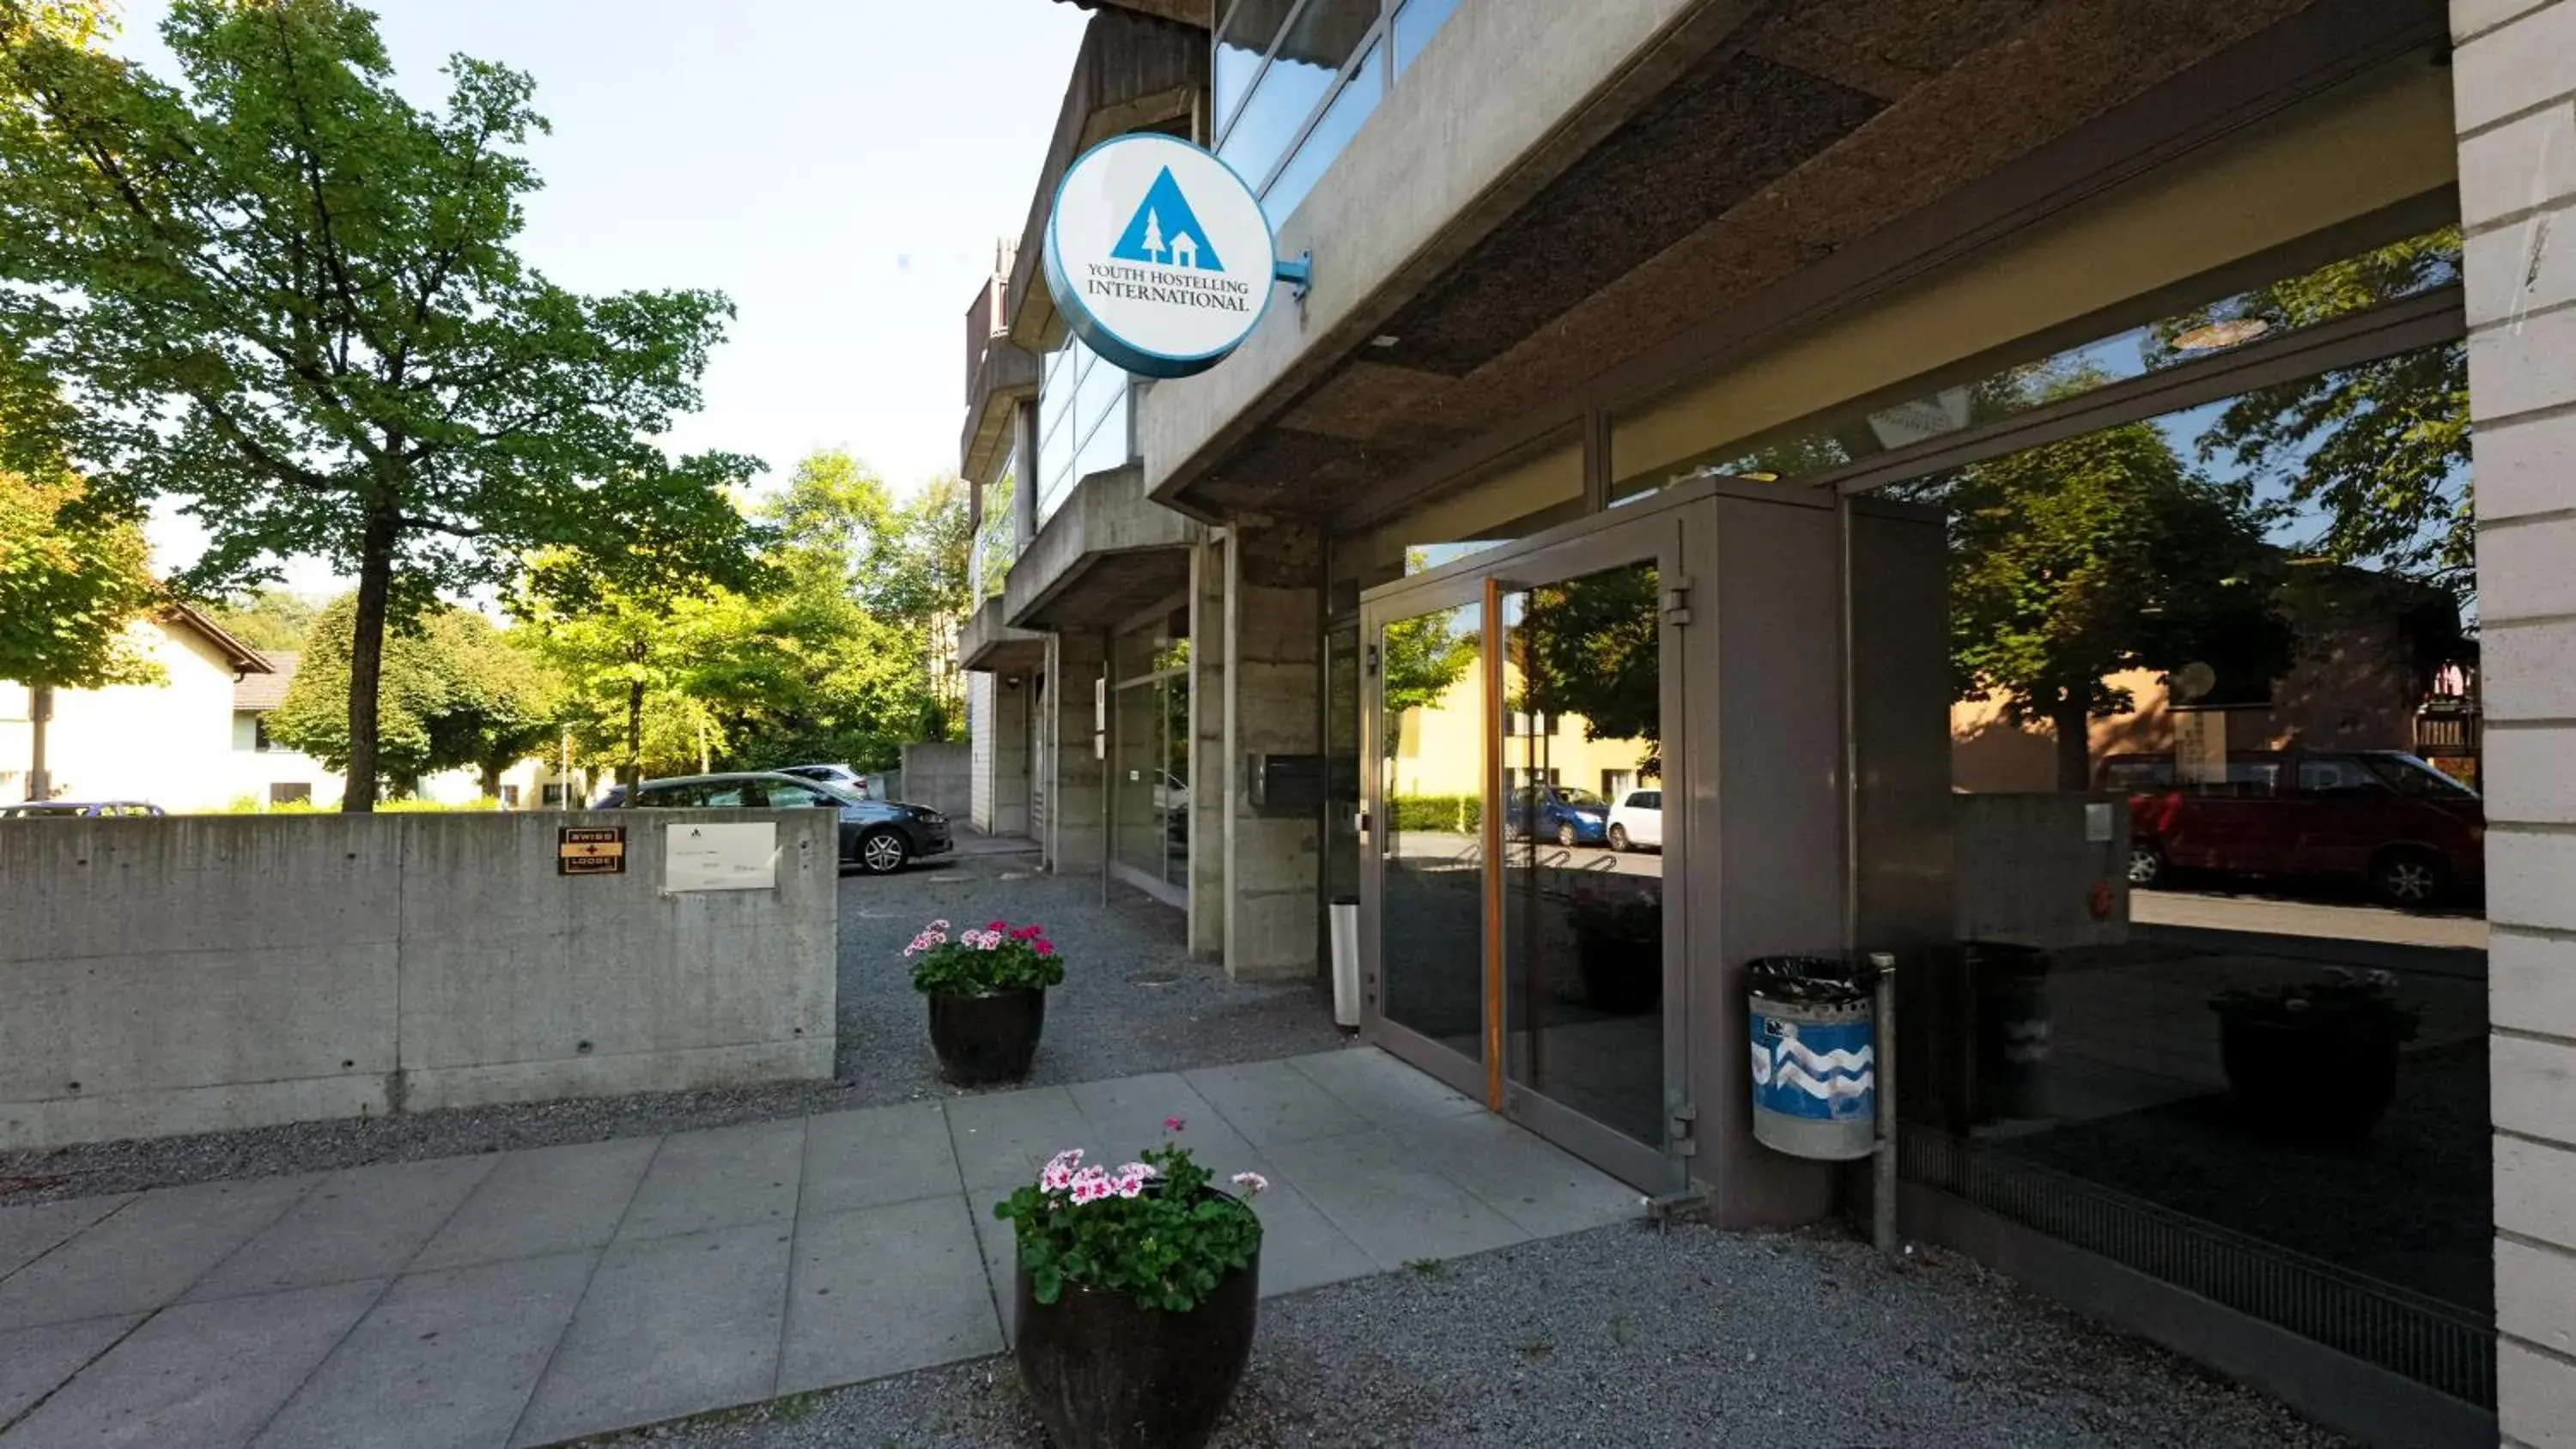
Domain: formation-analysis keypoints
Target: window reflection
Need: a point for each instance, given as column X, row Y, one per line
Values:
column 1431, row 788
column 1249, row 28
column 1415, row 23
column 1819, row 444
column 2210, row 994
column 1340, row 121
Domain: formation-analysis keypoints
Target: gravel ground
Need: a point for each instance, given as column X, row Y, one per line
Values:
column 1630, row 1337
column 1132, row 1002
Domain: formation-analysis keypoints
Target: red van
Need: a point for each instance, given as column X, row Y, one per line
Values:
column 2414, row 834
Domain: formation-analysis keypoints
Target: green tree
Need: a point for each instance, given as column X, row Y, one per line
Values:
column 2074, row 561
column 290, row 299
column 72, row 577
column 2381, row 450
column 271, row 620
column 1591, row 646
column 458, row 694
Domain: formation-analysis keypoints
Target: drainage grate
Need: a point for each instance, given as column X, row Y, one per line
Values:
column 2407, row 1333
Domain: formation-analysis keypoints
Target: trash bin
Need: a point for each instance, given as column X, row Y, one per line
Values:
column 1346, row 962
column 1814, row 1036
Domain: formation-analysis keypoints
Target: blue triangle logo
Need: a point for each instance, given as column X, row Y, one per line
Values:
column 1166, row 233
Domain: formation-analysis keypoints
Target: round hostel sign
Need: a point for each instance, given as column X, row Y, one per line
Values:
column 1158, row 255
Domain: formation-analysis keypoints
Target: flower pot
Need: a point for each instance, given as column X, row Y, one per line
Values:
column 1105, row 1372
column 987, row 1038
column 2327, row 1083
column 1622, row 976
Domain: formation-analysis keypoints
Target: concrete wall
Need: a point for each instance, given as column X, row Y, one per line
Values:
column 1076, row 824
column 1273, row 676
column 2515, row 73
column 941, row 777
column 190, row 975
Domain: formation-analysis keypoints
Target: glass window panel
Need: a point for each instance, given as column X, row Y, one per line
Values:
column 1583, row 918
column 1340, row 121
column 2179, row 1002
column 1414, row 25
column 1058, row 475
column 1250, row 26
column 1310, row 57
column 1431, row 788
column 1100, row 390
column 1653, row 448
column 1106, row 448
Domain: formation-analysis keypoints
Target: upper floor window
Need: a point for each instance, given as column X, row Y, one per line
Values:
column 1082, row 422
column 1293, row 80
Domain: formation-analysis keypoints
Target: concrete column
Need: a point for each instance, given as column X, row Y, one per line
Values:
column 1209, row 781
column 1007, row 768
column 1274, row 677
column 2514, row 80
column 1076, row 824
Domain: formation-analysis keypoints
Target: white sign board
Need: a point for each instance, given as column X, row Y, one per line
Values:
column 1924, row 418
column 1158, row 255
column 720, row 857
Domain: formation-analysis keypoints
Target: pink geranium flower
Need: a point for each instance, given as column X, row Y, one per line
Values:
column 1173, row 1124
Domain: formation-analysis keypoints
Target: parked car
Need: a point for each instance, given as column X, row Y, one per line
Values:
column 1637, row 821
column 852, row 780
column 2414, row 834
column 610, row 798
column 1562, row 813
column 877, row 836
column 77, row 809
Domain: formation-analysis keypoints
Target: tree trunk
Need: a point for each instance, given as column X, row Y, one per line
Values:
column 40, row 716
column 367, row 660
column 491, row 781
column 633, row 770
column 2073, row 721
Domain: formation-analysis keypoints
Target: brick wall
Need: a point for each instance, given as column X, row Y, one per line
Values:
column 2515, row 94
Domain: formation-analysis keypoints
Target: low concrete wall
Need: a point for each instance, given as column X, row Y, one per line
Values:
column 186, row 974
column 940, row 776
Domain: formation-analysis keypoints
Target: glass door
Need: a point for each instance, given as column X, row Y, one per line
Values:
column 1522, row 716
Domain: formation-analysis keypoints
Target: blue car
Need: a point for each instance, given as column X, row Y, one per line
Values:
column 1560, row 813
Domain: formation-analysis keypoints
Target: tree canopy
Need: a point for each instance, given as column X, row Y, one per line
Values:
column 2074, row 561
column 458, row 694
column 290, row 300
column 72, row 576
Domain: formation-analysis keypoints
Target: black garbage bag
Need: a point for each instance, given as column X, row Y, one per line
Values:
column 1813, row 980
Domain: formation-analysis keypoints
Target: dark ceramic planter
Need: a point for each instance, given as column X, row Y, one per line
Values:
column 987, row 1038
column 2307, row 1084
column 1622, row 977
column 1105, row 1372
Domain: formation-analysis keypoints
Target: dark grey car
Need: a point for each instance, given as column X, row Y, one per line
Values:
column 877, row 836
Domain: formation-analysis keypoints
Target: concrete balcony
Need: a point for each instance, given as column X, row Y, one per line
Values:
column 1004, row 375
column 1108, row 553
column 987, row 645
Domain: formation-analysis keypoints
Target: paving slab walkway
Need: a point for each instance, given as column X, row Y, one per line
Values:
column 526, row 1298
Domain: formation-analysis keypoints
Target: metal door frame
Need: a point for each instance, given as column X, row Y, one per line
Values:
column 1654, row 530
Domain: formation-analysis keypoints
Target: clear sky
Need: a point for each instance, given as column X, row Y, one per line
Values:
column 840, row 168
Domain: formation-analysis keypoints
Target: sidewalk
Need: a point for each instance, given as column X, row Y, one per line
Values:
column 525, row 1298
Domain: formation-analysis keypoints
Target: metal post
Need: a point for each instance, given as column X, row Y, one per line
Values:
column 1882, row 1197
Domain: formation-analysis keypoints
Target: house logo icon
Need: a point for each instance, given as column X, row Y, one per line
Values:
column 1166, row 233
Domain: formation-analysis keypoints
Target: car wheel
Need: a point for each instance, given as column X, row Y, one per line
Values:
column 2408, row 879
column 1618, row 837
column 882, row 852
column 1566, row 836
column 2146, row 864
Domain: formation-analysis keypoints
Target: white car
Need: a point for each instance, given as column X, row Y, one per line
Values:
column 1637, row 821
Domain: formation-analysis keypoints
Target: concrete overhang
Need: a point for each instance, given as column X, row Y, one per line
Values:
column 988, row 645
column 1562, row 208
column 1137, row 70
column 1107, row 554
column 1006, row 376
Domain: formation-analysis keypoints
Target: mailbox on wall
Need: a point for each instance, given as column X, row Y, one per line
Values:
column 1287, row 784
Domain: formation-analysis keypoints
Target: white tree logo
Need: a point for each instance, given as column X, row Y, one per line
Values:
column 1154, row 236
